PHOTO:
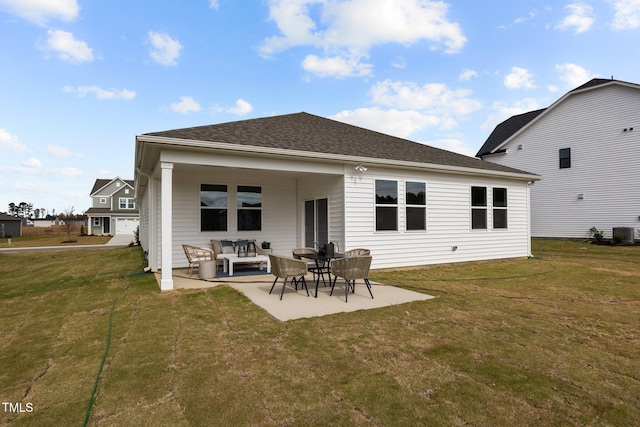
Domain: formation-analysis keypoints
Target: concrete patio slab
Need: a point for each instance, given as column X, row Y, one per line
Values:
column 296, row 304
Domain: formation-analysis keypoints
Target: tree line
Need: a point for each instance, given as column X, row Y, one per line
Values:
column 26, row 210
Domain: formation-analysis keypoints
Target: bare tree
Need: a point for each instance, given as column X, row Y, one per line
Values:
column 68, row 224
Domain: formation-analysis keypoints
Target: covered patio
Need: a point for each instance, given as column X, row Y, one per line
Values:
column 296, row 305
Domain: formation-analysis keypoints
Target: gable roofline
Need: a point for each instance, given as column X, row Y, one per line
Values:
column 303, row 135
column 100, row 184
column 509, row 129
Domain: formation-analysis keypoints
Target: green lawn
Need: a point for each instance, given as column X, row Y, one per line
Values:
column 553, row 340
column 56, row 239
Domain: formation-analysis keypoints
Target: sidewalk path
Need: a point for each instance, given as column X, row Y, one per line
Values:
column 118, row 241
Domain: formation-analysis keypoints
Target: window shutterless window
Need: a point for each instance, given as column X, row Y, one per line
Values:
column 386, row 205
column 126, row 203
column 565, row 158
column 249, row 208
column 416, row 202
column 214, row 204
column 499, row 208
column 479, row 208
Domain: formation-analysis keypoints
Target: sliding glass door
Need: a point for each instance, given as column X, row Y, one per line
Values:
column 316, row 222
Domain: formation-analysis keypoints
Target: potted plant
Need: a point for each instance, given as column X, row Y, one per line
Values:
column 266, row 248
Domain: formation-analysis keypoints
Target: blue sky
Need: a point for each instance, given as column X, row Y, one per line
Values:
column 80, row 79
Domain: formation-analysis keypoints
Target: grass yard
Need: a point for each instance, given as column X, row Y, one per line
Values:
column 52, row 236
column 553, row 340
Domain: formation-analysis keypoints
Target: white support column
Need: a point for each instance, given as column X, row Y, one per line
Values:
column 166, row 192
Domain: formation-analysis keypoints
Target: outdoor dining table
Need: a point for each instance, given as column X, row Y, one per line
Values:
column 325, row 259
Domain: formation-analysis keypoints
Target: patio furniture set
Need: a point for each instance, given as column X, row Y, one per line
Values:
column 351, row 266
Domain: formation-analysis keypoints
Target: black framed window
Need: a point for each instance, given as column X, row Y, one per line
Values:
column 416, row 202
column 565, row 158
column 386, row 205
column 214, row 204
column 249, row 208
column 499, row 208
column 479, row 208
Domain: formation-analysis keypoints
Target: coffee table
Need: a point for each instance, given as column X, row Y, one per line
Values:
column 231, row 259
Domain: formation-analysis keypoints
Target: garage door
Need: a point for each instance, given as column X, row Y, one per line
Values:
column 126, row 225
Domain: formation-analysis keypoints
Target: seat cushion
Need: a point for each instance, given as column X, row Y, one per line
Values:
column 227, row 246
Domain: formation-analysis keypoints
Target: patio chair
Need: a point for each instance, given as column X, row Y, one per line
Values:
column 285, row 268
column 357, row 252
column 318, row 268
column 195, row 254
column 351, row 269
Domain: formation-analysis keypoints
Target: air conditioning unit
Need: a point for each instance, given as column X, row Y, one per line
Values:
column 626, row 233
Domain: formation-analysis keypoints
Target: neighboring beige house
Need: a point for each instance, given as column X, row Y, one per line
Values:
column 113, row 207
column 297, row 179
column 586, row 147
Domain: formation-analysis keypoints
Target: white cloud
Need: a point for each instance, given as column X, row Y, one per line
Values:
column 100, row 93
column 455, row 145
column 627, row 16
column 59, row 151
column 41, row 11
column 530, row 17
column 32, row 167
column 348, row 29
column 32, row 163
column 392, row 122
column 467, row 75
column 165, row 50
column 10, row 142
column 336, row 66
column 186, row 105
column 435, row 97
column 519, row 78
column 503, row 111
column 573, row 75
column 67, row 47
column 580, row 18
column 213, row 4
column 242, row 108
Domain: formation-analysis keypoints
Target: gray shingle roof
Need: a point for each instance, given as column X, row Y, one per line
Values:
column 504, row 130
column 102, row 182
column 311, row 133
column 5, row 217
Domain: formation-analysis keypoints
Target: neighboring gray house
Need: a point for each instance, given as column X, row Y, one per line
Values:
column 10, row 226
column 297, row 179
column 113, row 207
column 586, row 147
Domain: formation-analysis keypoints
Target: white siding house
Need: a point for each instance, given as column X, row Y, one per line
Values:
column 311, row 179
column 586, row 147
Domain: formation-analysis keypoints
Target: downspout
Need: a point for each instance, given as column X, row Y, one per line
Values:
column 150, row 257
column 529, row 185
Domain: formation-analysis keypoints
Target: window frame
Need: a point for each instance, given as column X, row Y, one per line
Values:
column 564, row 158
column 223, row 209
column 478, row 208
column 243, row 210
column 382, row 206
column 129, row 203
column 420, row 205
column 500, row 209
